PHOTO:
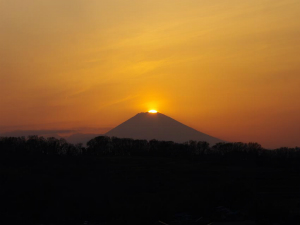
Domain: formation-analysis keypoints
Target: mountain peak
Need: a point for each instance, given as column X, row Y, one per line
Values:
column 146, row 125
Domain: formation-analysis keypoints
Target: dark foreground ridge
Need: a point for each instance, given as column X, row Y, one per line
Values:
column 126, row 181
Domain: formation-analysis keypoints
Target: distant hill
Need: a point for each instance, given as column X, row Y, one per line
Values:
column 26, row 133
column 73, row 138
column 159, row 126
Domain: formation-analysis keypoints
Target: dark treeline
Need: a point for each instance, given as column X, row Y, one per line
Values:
column 236, row 153
column 35, row 145
column 125, row 181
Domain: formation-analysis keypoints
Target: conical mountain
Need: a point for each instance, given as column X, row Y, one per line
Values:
column 160, row 127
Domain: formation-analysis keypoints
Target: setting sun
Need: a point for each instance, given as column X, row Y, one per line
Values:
column 152, row 111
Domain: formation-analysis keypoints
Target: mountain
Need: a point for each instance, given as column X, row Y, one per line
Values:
column 160, row 127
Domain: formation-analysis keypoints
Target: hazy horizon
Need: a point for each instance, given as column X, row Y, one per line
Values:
column 84, row 132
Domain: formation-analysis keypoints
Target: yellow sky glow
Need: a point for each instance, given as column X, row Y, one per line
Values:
column 226, row 68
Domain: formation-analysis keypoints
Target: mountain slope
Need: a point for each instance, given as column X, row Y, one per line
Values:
column 159, row 126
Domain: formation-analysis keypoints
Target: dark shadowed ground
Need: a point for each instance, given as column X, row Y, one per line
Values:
column 142, row 190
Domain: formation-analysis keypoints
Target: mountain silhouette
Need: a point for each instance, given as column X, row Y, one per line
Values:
column 160, row 127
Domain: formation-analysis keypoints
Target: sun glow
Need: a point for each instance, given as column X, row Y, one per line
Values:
column 152, row 111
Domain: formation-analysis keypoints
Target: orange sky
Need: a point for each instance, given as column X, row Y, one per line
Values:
column 230, row 69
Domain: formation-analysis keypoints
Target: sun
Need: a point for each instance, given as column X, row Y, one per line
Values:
column 152, row 111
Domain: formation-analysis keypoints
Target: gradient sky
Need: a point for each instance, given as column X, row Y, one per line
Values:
column 230, row 69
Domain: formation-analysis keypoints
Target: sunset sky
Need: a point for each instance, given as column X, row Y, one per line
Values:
column 230, row 69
